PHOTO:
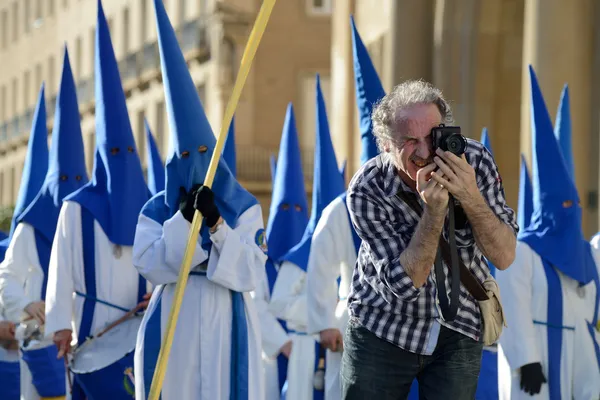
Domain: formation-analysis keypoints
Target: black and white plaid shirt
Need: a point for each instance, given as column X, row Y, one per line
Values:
column 383, row 296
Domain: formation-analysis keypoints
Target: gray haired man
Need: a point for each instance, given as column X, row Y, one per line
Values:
column 396, row 332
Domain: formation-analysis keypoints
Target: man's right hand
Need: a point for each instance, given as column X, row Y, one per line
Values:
column 286, row 349
column 62, row 340
column 331, row 339
column 532, row 378
column 37, row 311
column 7, row 330
column 432, row 193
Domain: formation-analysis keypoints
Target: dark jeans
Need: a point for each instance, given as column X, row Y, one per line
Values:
column 373, row 368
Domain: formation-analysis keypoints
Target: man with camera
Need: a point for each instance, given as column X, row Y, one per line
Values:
column 400, row 328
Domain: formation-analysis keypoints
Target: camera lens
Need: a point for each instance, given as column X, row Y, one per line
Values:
column 456, row 144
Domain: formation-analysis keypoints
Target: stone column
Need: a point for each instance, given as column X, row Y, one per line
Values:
column 454, row 41
column 410, row 44
column 343, row 95
column 558, row 43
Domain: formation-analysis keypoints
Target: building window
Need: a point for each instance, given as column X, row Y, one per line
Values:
column 50, row 79
column 15, row 97
column 65, row 3
column 201, row 89
column 4, row 28
column 141, row 136
column 50, row 7
column 2, row 186
column 110, row 26
column 92, row 50
column 159, row 128
column 15, row 21
column 27, row 15
column 78, row 57
column 11, row 189
column 143, row 22
column 319, row 7
column 38, row 76
column 125, row 31
column 182, row 11
column 37, row 12
column 2, row 106
column 308, row 107
column 26, row 89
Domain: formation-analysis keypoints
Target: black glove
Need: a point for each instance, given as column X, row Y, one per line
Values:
column 532, row 378
column 186, row 202
column 205, row 203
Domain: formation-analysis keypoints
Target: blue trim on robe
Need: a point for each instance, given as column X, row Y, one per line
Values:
column 157, row 209
column 555, row 319
column 592, row 325
column 89, row 273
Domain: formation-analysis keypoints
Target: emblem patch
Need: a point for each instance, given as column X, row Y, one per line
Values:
column 260, row 240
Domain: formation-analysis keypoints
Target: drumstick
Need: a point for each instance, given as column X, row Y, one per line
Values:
column 128, row 315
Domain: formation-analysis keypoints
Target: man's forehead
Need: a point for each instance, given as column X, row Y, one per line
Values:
column 418, row 120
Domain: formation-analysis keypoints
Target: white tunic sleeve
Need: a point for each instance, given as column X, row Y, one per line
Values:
column 519, row 340
column 20, row 260
column 288, row 301
column 321, row 277
column 60, row 289
column 235, row 259
column 273, row 334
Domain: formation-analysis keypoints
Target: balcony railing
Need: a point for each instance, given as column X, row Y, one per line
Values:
column 193, row 35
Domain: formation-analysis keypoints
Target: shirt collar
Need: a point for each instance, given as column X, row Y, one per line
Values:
column 392, row 183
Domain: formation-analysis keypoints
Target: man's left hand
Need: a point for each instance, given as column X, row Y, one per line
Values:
column 459, row 176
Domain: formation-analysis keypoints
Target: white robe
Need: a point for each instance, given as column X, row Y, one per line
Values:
column 21, row 280
column 116, row 278
column 199, row 362
column 288, row 302
column 332, row 256
column 525, row 294
column 273, row 338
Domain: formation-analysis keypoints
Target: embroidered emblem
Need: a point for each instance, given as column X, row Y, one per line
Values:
column 261, row 240
column 129, row 382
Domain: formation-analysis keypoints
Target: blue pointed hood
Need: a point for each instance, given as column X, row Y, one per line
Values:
column 66, row 168
column 192, row 142
column 272, row 167
column 36, row 161
column 34, row 170
column 288, row 214
column 229, row 150
column 368, row 92
column 156, row 168
column 562, row 131
column 327, row 182
column 555, row 231
column 118, row 190
column 525, row 208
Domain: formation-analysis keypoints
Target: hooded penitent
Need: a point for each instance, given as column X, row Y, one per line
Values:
column 555, row 232
column 66, row 169
column 34, row 170
column 288, row 215
column 327, row 183
column 191, row 145
column 117, row 191
column 156, row 168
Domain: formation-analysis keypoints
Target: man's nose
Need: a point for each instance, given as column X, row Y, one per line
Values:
column 424, row 149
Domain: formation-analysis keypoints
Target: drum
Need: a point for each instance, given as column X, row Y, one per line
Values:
column 103, row 366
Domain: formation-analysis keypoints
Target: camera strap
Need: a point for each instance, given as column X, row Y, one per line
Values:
column 449, row 253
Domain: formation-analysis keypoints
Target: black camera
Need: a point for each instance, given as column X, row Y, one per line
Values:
column 448, row 138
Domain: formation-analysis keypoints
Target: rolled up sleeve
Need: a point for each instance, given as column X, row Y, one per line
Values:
column 384, row 244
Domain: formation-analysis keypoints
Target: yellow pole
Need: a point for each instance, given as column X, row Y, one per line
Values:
column 249, row 52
